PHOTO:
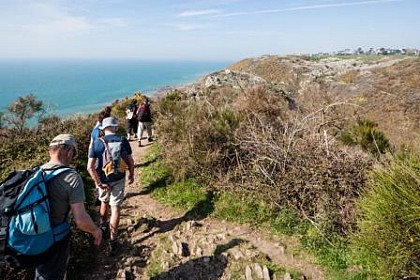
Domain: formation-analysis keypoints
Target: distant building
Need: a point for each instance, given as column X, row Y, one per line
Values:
column 373, row 51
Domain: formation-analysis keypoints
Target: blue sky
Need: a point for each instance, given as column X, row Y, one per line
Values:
column 202, row 29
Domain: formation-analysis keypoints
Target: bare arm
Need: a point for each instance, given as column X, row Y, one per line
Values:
column 92, row 171
column 94, row 174
column 84, row 222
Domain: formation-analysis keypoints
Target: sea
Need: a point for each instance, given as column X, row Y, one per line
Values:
column 68, row 87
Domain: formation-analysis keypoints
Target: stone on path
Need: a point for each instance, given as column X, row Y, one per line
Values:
column 266, row 273
column 248, row 273
column 258, row 271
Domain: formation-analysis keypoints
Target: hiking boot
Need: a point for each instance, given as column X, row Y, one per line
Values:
column 113, row 248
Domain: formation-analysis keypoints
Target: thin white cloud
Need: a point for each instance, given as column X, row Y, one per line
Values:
column 184, row 27
column 308, row 7
column 196, row 13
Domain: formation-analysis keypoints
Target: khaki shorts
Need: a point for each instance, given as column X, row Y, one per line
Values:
column 115, row 195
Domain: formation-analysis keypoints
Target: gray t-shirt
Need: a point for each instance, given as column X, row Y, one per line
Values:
column 65, row 189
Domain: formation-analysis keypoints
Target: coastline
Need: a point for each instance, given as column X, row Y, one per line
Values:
column 69, row 88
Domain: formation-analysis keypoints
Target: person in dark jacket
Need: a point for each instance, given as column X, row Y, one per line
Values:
column 144, row 117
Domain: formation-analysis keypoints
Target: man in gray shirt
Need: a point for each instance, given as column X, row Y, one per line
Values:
column 66, row 193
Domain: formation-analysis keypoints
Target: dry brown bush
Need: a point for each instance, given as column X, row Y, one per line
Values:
column 249, row 142
column 349, row 76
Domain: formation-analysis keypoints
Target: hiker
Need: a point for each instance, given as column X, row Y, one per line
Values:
column 132, row 122
column 111, row 185
column 66, row 191
column 144, row 117
column 96, row 132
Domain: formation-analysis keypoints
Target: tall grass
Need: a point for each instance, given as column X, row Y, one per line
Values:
column 388, row 241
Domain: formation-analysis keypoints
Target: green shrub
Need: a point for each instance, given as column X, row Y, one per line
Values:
column 195, row 137
column 120, row 106
column 388, row 241
column 365, row 134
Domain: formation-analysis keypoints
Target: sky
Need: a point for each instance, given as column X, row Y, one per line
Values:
column 207, row 30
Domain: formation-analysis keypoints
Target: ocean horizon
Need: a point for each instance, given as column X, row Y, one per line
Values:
column 85, row 86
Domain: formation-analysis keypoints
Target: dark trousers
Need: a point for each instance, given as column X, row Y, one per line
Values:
column 56, row 265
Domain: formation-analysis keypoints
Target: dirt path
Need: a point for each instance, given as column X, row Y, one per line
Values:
column 159, row 241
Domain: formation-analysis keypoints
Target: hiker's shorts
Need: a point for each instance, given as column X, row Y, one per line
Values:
column 115, row 195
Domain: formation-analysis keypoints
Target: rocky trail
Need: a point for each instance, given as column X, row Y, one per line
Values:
column 158, row 242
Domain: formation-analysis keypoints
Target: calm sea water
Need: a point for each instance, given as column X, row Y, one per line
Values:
column 69, row 87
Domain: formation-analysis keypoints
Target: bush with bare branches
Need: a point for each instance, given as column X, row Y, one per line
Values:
column 250, row 142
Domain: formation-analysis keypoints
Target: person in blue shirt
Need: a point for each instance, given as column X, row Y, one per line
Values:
column 96, row 133
column 111, row 187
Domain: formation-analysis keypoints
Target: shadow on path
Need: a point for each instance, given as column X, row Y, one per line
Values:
column 200, row 211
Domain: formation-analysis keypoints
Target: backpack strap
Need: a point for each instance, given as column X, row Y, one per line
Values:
column 103, row 140
column 51, row 173
column 47, row 175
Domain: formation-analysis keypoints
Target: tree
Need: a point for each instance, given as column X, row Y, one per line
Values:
column 22, row 110
column 1, row 120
